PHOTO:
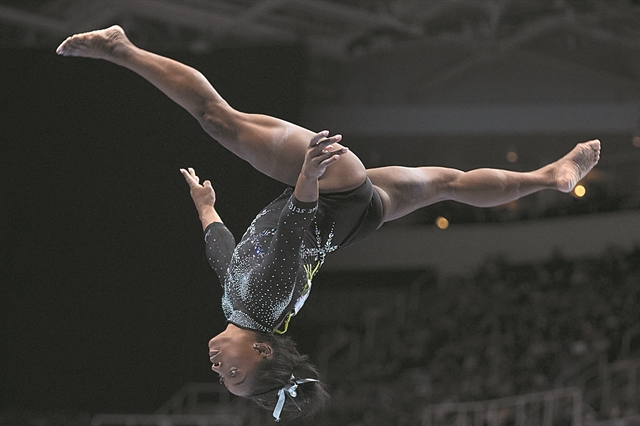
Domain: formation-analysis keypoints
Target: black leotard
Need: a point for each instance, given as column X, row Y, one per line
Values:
column 267, row 276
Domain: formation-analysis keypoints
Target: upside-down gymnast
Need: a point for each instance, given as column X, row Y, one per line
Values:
column 331, row 201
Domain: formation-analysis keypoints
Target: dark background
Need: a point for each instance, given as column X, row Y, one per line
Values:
column 107, row 300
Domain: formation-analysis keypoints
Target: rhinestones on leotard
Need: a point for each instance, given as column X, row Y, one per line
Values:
column 266, row 271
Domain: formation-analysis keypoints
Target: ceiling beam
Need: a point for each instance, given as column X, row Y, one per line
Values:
column 30, row 20
column 487, row 119
column 526, row 34
column 357, row 16
column 178, row 13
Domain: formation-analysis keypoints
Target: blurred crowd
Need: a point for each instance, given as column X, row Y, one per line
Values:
column 509, row 329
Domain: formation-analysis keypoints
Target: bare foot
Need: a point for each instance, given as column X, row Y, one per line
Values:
column 574, row 166
column 99, row 44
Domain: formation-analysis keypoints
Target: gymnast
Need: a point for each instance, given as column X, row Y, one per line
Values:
column 331, row 201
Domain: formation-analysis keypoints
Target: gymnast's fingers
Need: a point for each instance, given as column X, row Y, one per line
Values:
column 329, row 157
column 318, row 137
column 189, row 177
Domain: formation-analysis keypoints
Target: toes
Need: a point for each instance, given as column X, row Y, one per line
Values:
column 61, row 49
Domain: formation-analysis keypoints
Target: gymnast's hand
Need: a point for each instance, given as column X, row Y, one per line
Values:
column 321, row 153
column 204, row 197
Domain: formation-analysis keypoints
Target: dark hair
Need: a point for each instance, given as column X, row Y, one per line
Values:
column 273, row 373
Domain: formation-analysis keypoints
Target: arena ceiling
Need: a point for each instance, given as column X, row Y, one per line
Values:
column 597, row 38
column 335, row 29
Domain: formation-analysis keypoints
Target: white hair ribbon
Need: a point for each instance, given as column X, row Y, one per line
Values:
column 288, row 389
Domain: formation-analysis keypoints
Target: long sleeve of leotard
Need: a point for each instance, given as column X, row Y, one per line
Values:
column 281, row 266
column 219, row 246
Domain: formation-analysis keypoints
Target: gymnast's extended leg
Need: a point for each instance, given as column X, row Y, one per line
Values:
column 405, row 189
column 277, row 148
column 273, row 146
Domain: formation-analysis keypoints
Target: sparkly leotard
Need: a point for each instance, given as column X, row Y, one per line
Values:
column 267, row 276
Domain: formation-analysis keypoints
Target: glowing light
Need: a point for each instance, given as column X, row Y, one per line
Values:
column 579, row 191
column 512, row 156
column 442, row 222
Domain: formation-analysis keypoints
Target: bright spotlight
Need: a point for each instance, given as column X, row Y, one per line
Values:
column 579, row 191
column 442, row 222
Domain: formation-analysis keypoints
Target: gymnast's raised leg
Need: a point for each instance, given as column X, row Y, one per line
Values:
column 277, row 148
column 272, row 146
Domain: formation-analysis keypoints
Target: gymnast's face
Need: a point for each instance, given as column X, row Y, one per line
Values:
column 234, row 355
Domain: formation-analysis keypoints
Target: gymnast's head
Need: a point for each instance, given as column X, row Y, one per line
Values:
column 269, row 370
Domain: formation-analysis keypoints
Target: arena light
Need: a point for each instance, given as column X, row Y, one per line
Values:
column 442, row 222
column 579, row 191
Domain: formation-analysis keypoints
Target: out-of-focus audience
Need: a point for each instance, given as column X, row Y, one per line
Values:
column 509, row 329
